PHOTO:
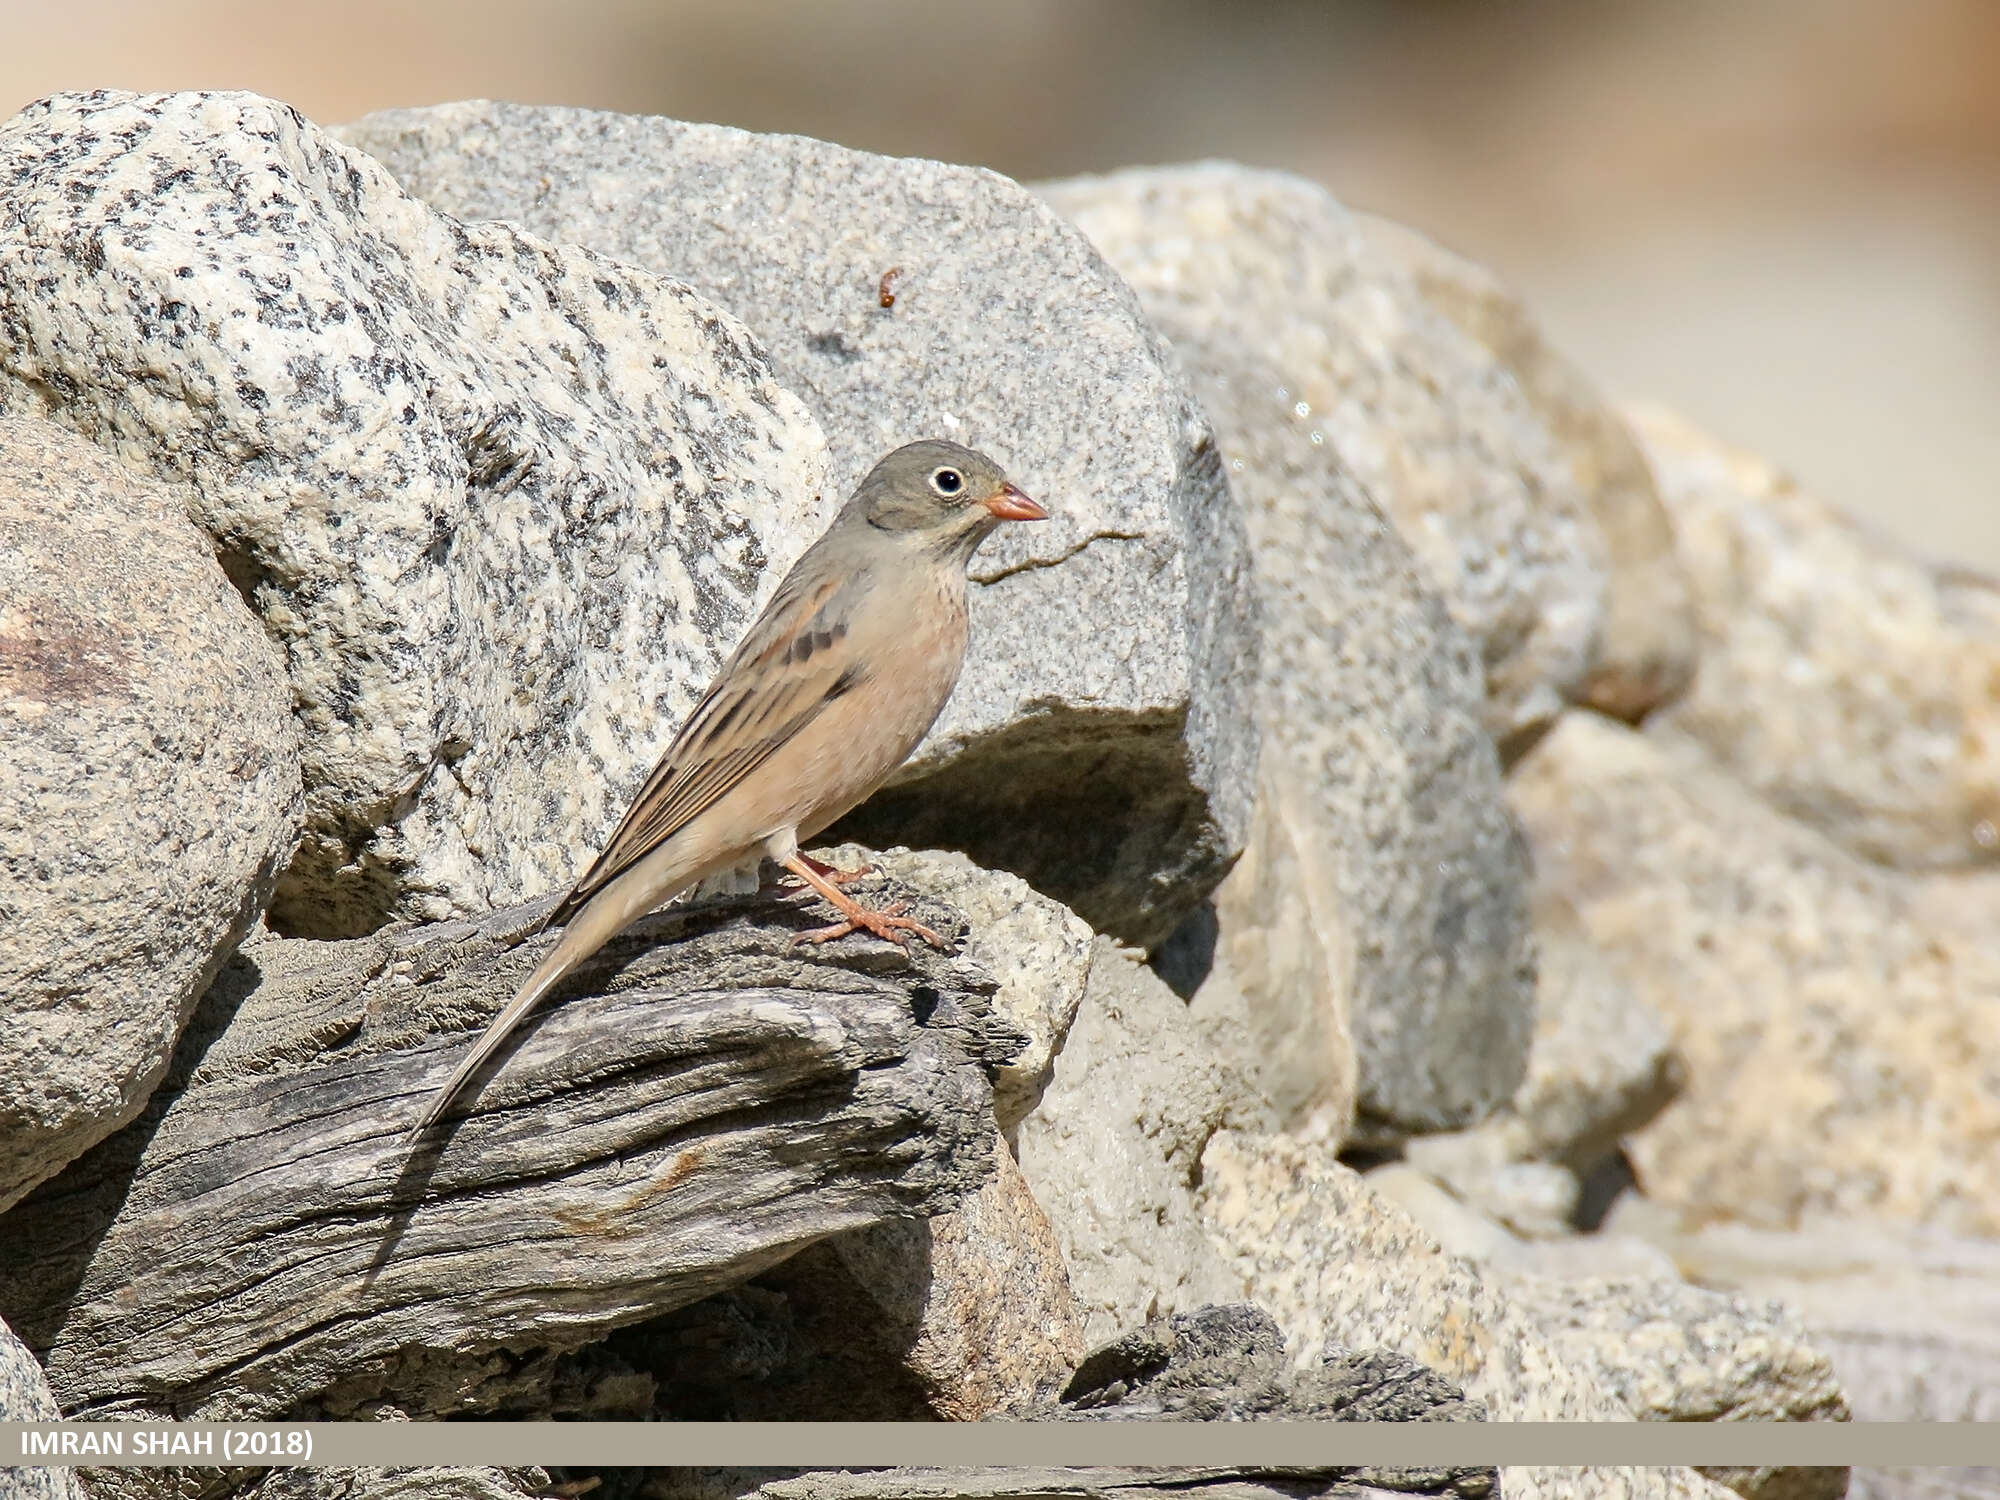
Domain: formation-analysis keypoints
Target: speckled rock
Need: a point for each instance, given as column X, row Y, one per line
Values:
column 149, row 789
column 1338, row 1263
column 1519, row 1482
column 503, row 505
column 976, row 1302
column 1603, row 1063
column 1377, row 924
column 1842, row 1045
column 1037, row 949
column 1852, row 685
column 1910, row 1317
column 1460, row 1226
column 1112, row 1151
column 1679, row 1353
column 1971, row 1482
column 1474, row 1229
column 1228, row 1364
column 1335, row 1262
column 1967, row 900
column 1098, row 743
column 1437, row 430
column 25, row 1397
column 1646, row 653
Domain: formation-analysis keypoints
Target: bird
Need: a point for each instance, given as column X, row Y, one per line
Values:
column 832, row 687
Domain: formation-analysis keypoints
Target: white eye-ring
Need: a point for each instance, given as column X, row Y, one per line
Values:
column 947, row 481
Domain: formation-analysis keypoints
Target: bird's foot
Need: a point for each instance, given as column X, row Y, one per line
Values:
column 833, row 874
column 884, row 924
column 854, row 917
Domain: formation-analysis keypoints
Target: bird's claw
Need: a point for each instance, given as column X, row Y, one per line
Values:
column 885, row 924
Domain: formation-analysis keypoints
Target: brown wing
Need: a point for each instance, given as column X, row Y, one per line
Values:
column 785, row 670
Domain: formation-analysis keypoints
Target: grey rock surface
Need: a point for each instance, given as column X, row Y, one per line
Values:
column 1852, row 685
column 1336, row 1263
column 1340, row 1265
column 1646, row 652
column 1838, row 1031
column 1532, row 1199
column 503, row 505
column 1036, row 948
column 25, row 1397
column 1437, row 430
column 1460, row 1225
column 1590, row 1257
column 1604, row 1062
column 1968, row 1483
column 1113, row 1150
column 1679, row 1353
column 1291, row 1058
column 1228, row 1364
column 1378, row 922
column 1909, row 1317
column 149, row 788
column 975, row 1303
column 1099, row 742
column 1468, row 1226
column 1522, row 1482
column 264, row 1240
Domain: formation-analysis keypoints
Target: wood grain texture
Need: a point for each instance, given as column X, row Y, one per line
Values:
column 708, row 1100
column 1039, row 1482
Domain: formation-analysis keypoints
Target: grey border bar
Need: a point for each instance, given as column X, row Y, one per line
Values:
column 1000, row 1444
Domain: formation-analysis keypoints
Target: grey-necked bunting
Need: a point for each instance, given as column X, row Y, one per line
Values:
column 832, row 688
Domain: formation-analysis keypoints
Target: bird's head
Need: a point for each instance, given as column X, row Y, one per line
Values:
column 941, row 494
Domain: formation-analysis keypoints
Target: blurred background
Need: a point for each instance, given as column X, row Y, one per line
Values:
column 1781, row 217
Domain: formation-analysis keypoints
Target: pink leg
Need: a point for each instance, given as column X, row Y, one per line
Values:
column 833, row 873
column 854, row 916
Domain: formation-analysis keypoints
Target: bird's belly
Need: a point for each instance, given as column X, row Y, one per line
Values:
column 909, row 660
column 847, row 752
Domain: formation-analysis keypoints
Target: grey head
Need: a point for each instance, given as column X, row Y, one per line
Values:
column 940, row 497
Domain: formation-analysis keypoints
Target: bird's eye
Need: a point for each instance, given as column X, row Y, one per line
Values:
column 947, row 481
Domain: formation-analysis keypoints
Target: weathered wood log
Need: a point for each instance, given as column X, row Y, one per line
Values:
column 710, row 1099
column 429, row 1482
column 1025, row 1482
column 1037, row 1482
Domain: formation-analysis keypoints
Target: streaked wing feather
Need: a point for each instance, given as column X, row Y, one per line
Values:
column 758, row 702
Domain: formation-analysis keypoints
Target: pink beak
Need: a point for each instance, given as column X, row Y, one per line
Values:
column 1012, row 505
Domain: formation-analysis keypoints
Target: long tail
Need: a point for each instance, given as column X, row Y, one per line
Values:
column 601, row 918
